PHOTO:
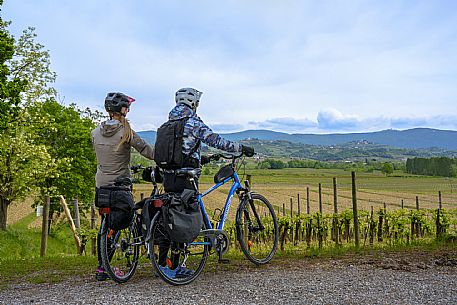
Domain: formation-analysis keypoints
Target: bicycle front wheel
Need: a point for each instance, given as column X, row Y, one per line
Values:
column 257, row 229
column 176, row 263
column 119, row 251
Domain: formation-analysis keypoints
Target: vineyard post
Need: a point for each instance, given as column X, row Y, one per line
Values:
column 45, row 226
column 439, row 200
column 283, row 209
column 335, row 196
column 77, row 218
column 402, row 204
column 438, row 215
column 320, row 198
column 93, row 219
column 372, row 226
column 307, row 200
column 335, row 210
column 298, row 203
column 354, row 210
column 291, row 207
column 385, row 208
column 417, row 203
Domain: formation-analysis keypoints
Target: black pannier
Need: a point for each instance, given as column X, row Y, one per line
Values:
column 182, row 218
column 121, row 204
column 223, row 173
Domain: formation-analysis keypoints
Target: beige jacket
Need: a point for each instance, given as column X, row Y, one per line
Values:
column 112, row 163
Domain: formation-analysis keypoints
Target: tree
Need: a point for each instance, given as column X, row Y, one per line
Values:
column 66, row 134
column 31, row 62
column 21, row 161
column 387, row 168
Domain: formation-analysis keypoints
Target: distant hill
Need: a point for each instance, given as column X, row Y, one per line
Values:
column 411, row 138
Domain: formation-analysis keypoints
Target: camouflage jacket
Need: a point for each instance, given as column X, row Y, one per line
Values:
column 195, row 130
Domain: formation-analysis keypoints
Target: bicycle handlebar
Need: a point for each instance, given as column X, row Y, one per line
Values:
column 225, row 156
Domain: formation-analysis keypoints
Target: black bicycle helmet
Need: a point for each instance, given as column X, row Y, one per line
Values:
column 114, row 101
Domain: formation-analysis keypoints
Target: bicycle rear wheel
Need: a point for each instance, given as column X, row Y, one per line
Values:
column 120, row 250
column 257, row 229
column 176, row 263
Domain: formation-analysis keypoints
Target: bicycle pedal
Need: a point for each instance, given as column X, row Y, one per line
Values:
column 223, row 261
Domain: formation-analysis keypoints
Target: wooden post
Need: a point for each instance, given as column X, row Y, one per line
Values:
column 335, row 211
column 78, row 243
column 45, row 226
column 402, row 204
column 298, row 203
column 141, row 196
column 417, row 203
column 307, row 200
column 335, row 196
column 440, row 204
column 77, row 218
column 354, row 210
column 319, row 231
column 291, row 208
column 320, row 198
column 93, row 220
column 283, row 209
column 385, row 208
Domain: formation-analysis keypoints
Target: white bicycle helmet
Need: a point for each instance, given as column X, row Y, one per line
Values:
column 188, row 96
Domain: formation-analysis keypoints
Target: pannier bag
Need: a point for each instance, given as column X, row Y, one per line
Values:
column 121, row 204
column 182, row 217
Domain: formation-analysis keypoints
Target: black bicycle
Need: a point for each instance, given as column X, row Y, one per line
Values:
column 120, row 249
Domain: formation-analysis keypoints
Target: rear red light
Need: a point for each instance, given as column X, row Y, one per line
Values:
column 157, row 203
column 104, row 210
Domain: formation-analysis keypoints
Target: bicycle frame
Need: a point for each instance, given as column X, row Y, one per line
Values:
column 228, row 202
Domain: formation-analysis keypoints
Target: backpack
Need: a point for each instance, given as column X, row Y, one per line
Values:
column 168, row 146
column 182, row 218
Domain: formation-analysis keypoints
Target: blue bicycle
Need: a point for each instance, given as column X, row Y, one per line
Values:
column 256, row 230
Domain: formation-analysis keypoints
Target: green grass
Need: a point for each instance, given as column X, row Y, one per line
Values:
column 19, row 241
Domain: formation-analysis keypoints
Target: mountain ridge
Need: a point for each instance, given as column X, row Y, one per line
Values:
column 415, row 138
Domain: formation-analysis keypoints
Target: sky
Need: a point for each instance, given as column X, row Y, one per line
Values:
column 289, row 66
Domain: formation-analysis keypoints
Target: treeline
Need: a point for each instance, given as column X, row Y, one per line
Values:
column 438, row 166
column 385, row 167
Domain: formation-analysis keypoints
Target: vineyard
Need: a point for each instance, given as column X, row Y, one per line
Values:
column 315, row 207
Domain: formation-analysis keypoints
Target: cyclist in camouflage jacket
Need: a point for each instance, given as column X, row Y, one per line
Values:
column 196, row 131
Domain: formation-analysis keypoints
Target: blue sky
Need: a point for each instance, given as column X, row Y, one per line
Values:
column 291, row 66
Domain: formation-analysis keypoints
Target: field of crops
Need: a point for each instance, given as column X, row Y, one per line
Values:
column 373, row 189
column 380, row 200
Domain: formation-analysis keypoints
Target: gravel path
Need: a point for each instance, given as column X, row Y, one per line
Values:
column 368, row 280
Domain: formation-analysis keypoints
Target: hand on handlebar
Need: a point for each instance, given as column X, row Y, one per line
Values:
column 247, row 151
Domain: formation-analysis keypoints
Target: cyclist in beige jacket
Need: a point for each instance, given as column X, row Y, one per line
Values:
column 112, row 141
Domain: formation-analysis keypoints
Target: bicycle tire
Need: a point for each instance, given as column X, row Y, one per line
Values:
column 258, row 242
column 120, row 251
column 195, row 262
